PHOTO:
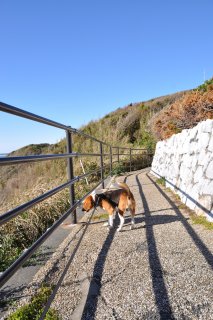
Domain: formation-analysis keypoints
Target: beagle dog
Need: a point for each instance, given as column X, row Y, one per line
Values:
column 113, row 200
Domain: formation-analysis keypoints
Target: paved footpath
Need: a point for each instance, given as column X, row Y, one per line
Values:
column 160, row 270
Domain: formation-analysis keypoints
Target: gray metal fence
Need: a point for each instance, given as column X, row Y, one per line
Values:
column 114, row 151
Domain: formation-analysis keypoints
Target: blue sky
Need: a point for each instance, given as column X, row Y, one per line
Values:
column 76, row 60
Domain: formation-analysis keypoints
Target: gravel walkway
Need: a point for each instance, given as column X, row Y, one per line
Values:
column 160, row 270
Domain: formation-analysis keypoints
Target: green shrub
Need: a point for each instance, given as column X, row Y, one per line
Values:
column 201, row 220
column 33, row 310
column 161, row 181
column 205, row 86
column 148, row 141
column 8, row 253
column 118, row 169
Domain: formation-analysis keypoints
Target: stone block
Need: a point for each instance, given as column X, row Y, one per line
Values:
column 191, row 204
column 187, row 160
column 185, row 147
column 207, row 125
column 192, row 194
column 206, row 203
column 203, row 140
column 195, row 191
column 209, row 170
column 193, row 134
column 210, row 145
column 198, row 174
column 208, row 159
column 202, row 157
column 194, row 162
column 193, row 148
column 185, row 172
column 206, row 187
column 188, row 190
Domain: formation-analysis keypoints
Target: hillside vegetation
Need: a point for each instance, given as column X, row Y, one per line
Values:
column 136, row 125
column 184, row 113
column 129, row 126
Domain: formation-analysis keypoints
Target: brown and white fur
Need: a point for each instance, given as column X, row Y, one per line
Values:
column 114, row 200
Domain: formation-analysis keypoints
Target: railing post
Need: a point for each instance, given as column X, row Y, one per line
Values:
column 130, row 159
column 102, row 164
column 110, row 161
column 70, row 174
column 118, row 155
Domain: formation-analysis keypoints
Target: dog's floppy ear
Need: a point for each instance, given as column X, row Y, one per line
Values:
column 88, row 203
column 92, row 198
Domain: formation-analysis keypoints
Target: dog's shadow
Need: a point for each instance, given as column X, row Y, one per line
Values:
column 148, row 221
column 141, row 218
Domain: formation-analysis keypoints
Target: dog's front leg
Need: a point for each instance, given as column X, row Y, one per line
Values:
column 110, row 221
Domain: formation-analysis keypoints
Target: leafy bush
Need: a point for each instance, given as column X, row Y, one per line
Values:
column 201, row 220
column 161, row 181
column 185, row 113
column 129, row 125
column 118, row 169
column 148, row 141
column 8, row 252
column 33, row 310
column 207, row 85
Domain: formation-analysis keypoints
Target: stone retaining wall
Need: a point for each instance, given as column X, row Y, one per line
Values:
column 186, row 162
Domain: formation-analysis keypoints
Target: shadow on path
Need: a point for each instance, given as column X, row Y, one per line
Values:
column 159, row 287
column 95, row 284
column 198, row 242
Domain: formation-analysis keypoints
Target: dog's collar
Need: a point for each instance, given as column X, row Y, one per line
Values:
column 100, row 197
column 97, row 199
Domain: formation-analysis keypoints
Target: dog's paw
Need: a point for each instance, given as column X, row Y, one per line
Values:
column 105, row 224
column 119, row 229
column 110, row 227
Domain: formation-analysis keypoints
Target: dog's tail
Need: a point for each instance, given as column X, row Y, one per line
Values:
column 131, row 199
column 125, row 187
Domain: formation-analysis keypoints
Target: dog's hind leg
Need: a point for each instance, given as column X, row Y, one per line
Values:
column 131, row 206
column 132, row 220
column 120, row 214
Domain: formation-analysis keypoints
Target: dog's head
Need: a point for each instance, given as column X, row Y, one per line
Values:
column 88, row 204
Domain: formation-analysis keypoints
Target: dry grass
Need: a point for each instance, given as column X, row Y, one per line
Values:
column 185, row 113
column 202, row 221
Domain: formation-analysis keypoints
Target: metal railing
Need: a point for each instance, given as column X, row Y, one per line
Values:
column 69, row 155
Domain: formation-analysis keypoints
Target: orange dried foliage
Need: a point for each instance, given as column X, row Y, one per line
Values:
column 185, row 113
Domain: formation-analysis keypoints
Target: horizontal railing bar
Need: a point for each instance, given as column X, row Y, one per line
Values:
column 129, row 148
column 105, row 143
column 7, row 216
column 25, row 159
column 120, row 154
column 134, row 155
column 7, row 274
column 127, row 154
column 28, row 115
column 87, row 135
column 138, row 149
column 32, row 116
